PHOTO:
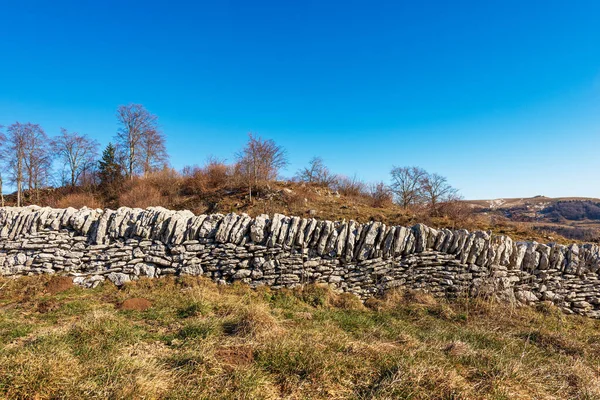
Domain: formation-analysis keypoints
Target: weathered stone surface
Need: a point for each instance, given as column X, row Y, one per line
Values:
column 292, row 232
column 225, row 227
column 311, row 225
column 239, row 230
column 350, row 240
column 326, row 230
column 209, row 226
column 368, row 242
column 274, row 229
column 283, row 230
column 118, row 278
column 195, row 224
column 257, row 228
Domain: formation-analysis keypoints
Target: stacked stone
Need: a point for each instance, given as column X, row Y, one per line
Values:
column 280, row 251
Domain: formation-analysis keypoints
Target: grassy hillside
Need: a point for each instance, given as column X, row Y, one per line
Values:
column 189, row 338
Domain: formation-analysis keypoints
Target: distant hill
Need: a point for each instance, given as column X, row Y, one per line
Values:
column 573, row 210
column 570, row 208
column 573, row 217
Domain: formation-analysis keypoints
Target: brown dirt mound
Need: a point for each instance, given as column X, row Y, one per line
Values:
column 59, row 284
column 136, row 303
column 234, row 356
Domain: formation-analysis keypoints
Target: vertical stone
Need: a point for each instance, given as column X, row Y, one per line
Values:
column 274, row 229
column 257, row 228
column 420, row 231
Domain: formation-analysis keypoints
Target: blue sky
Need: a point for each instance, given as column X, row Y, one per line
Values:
column 502, row 97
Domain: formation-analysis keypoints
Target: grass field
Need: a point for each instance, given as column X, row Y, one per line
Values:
column 189, row 338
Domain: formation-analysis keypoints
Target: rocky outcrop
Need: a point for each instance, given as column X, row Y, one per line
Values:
column 279, row 251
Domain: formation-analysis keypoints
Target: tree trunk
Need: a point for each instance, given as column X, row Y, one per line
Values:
column 19, row 191
column 19, row 180
column 131, row 158
column 1, row 194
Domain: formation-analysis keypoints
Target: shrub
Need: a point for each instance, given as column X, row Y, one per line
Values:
column 457, row 211
column 141, row 194
column 352, row 187
column 381, row 195
column 167, row 181
column 78, row 200
column 213, row 177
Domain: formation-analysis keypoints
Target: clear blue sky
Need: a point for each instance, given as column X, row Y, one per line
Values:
column 502, row 97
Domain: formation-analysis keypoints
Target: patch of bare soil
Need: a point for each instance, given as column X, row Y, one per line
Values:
column 136, row 303
column 59, row 284
column 235, row 356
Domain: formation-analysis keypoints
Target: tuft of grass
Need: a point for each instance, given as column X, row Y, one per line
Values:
column 252, row 321
column 191, row 310
column 195, row 330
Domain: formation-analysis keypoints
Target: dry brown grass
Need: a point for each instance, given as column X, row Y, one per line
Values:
column 213, row 177
column 255, row 321
column 201, row 340
column 141, row 193
column 78, row 200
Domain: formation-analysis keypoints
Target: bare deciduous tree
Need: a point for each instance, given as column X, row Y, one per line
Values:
column 15, row 153
column 260, row 161
column 38, row 158
column 77, row 152
column 316, row 172
column 436, row 190
column 153, row 153
column 27, row 156
column 138, row 138
column 407, row 185
column 414, row 185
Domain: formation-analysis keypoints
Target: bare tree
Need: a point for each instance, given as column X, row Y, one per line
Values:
column 316, row 172
column 15, row 153
column 26, row 156
column 153, row 153
column 407, row 185
column 437, row 190
column 77, row 152
column 135, row 124
column 260, row 161
column 38, row 159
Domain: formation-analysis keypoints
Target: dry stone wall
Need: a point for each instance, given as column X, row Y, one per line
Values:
column 94, row 245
